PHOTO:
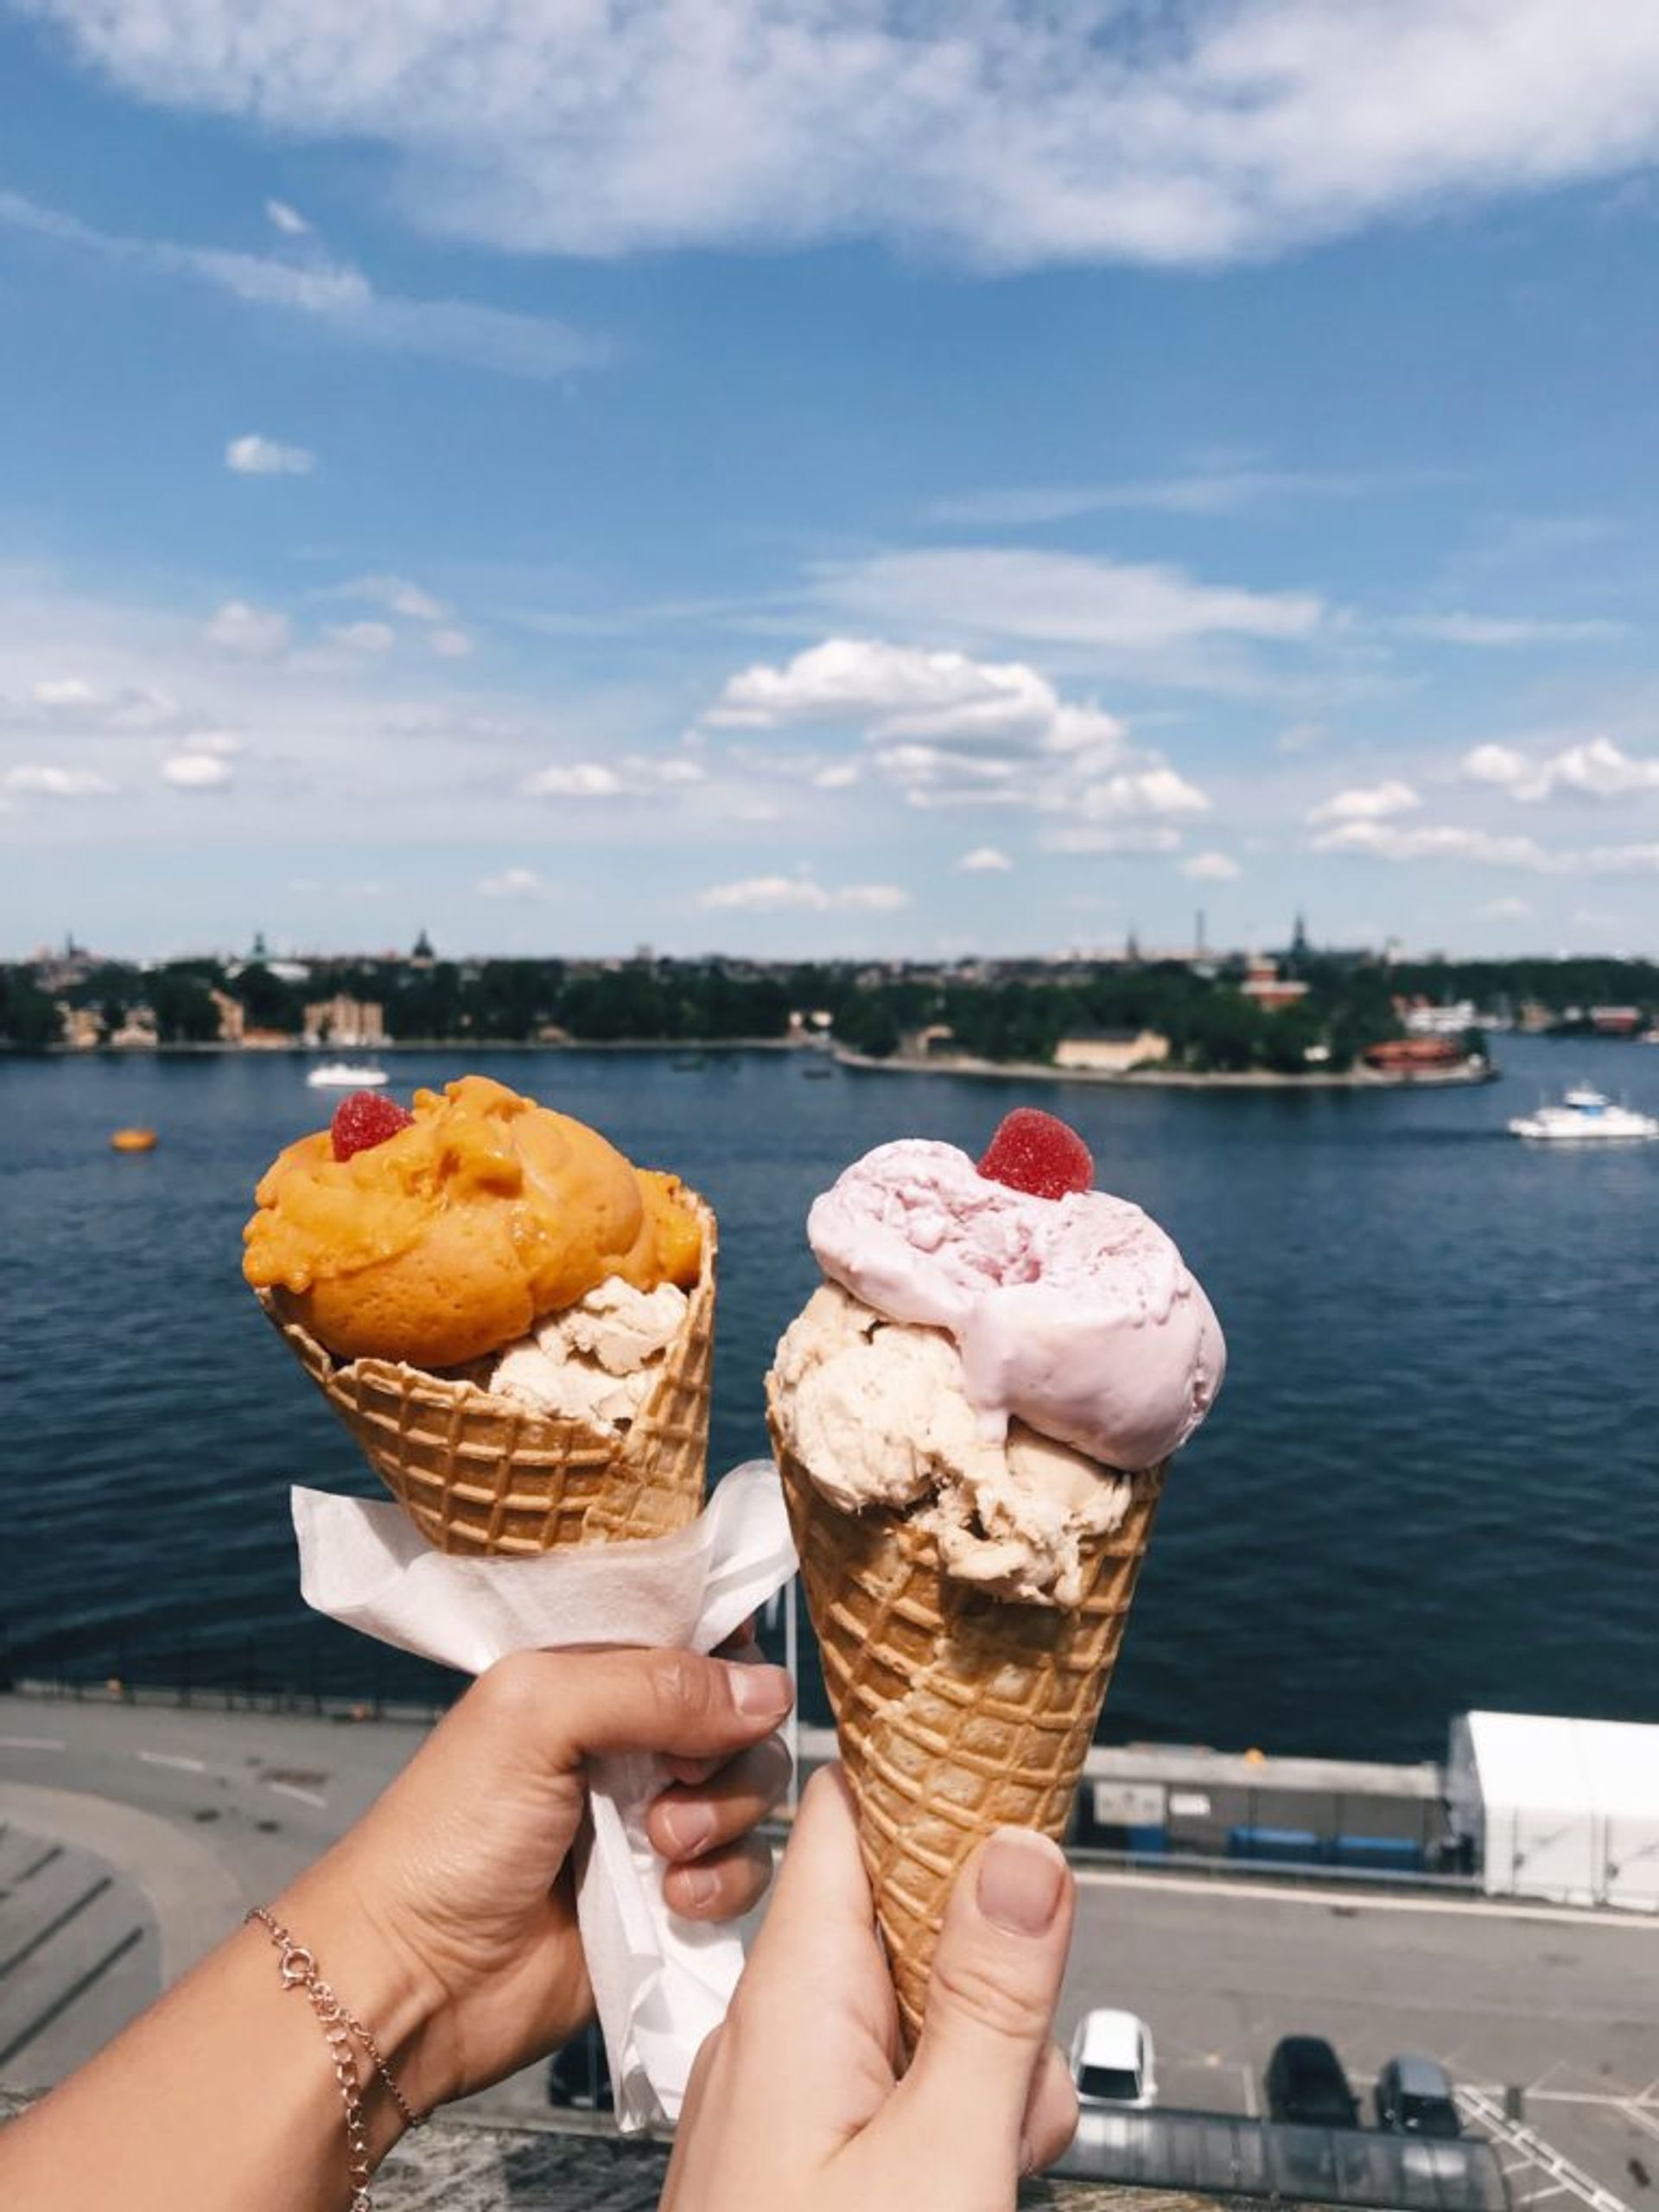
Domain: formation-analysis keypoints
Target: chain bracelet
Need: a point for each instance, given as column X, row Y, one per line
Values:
column 340, row 2028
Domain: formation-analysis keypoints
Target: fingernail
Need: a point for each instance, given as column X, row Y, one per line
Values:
column 698, row 1887
column 761, row 1690
column 1021, row 1878
column 690, row 1826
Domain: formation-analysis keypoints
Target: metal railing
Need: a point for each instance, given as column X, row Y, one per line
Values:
column 319, row 1670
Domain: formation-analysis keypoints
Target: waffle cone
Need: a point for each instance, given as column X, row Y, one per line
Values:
column 482, row 1474
column 957, row 1713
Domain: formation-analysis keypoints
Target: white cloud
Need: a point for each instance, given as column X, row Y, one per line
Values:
column 1497, row 764
column 1058, row 597
column 515, row 883
column 636, row 775
column 34, row 778
column 1186, row 134
column 777, row 893
column 985, row 860
column 256, row 456
column 933, row 775
column 1505, row 910
column 1211, row 868
column 575, row 779
column 196, row 770
column 253, row 632
column 837, row 776
column 64, row 691
column 1134, row 838
column 1367, row 802
column 398, row 596
column 365, row 637
column 951, row 730
column 1503, row 630
column 1218, row 491
column 450, row 644
column 1138, row 792
column 289, row 221
column 336, row 298
column 1393, row 841
column 1616, row 859
column 1593, row 768
column 894, row 691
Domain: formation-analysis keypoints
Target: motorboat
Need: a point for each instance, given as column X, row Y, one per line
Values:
column 1585, row 1115
column 345, row 1075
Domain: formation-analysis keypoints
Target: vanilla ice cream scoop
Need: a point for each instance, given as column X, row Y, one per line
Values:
column 1074, row 1315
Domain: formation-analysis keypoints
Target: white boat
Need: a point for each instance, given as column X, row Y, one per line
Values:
column 1585, row 1115
column 345, row 1075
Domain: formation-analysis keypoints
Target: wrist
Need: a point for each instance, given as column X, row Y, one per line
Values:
column 379, row 1979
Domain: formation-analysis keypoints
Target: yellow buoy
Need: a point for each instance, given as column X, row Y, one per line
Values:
column 133, row 1141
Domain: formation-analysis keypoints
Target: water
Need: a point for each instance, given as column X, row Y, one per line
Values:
column 1432, row 1481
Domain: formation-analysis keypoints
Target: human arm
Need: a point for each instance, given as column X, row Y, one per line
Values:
column 445, row 1921
column 796, row 2100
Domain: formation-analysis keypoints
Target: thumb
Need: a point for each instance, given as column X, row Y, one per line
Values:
column 990, row 2007
column 568, row 1705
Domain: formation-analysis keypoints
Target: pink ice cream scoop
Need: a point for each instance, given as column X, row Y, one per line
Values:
column 1074, row 1315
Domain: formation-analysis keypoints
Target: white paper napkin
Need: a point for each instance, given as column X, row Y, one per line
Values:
column 660, row 1983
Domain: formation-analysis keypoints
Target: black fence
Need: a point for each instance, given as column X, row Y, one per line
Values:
column 316, row 1667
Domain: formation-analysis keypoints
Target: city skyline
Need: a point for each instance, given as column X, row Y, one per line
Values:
column 880, row 496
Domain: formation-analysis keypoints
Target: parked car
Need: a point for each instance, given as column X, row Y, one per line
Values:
column 1414, row 2097
column 1305, row 2083
column 1112, row 2060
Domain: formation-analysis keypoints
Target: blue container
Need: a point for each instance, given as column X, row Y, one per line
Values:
column 1275, row 1847
column 1385, row 1854
column 1149, row 1842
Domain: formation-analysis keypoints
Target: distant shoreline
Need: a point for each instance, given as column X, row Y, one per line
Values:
column 473, row 1045
column 1156, row 1078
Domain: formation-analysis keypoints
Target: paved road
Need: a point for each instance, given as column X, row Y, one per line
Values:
column 1561, row 2004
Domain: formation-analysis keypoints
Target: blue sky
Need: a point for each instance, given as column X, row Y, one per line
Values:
column 791, row 477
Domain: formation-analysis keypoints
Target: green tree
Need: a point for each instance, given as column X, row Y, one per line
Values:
column 29, row 1018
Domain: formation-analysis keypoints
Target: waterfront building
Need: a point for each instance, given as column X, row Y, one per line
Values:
column 1414, row 1055
column 1419, row 1019
column 1111, row 1052
column 1270, row 990
column 343, row 1020
column 137, row 1032
column 232, row 1017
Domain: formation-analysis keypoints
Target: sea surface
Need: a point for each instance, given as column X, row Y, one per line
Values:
column 1432, row 1481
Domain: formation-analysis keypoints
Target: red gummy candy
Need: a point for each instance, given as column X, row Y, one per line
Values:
column 366, row 1118
column 1035, row 1153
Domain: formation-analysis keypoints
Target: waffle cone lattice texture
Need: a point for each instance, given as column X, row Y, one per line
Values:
column 478, row 1474
column 957, row 1713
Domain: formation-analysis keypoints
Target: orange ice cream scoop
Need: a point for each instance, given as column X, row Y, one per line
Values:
column 456, row 1235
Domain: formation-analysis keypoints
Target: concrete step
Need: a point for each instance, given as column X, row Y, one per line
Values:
column 79, row 1955
column 20, row 1854
column 55, row 1884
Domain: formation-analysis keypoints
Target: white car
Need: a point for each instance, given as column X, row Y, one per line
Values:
column 1112, row 2060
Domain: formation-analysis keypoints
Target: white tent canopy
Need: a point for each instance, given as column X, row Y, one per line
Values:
column 1561, row 1809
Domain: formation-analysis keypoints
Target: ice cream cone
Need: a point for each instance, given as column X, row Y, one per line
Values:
column 956, row 1712
column 483, row 1474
